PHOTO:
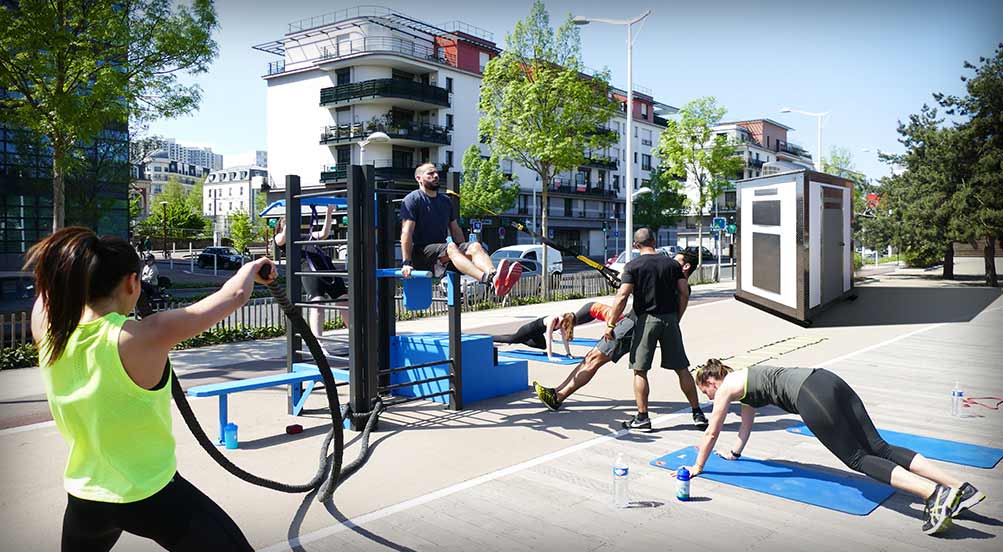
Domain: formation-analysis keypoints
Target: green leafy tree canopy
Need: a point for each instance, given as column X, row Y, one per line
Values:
column 664, row 206
column 72, row 68
column 485, row 189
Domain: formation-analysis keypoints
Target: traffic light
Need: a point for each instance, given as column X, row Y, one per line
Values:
column 272, row 222
column 605, row 227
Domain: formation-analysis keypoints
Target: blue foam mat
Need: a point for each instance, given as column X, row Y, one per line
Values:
column 584, row 341
column 538, row 356
column 954, row 452
column 855, row 496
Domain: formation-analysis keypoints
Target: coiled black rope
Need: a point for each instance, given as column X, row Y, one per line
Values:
column 330, row 471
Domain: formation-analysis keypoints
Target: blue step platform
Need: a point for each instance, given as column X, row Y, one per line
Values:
column 481, row 378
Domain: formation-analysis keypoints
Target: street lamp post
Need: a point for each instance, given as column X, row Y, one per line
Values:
column 628, row 23
column 374, row 138
column 819, row 117
column 163, row 206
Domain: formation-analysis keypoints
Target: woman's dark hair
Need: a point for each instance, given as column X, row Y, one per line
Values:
column 713, row 369
column 74, row 267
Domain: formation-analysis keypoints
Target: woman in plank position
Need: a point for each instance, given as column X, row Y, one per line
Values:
column 837, row 417
column 539, row 332
column 108, row 384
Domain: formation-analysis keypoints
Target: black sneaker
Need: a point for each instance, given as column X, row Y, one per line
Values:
column 700, row 420
column 968, row 496
column 940, row 505
column 637, row 423
column 547, row 396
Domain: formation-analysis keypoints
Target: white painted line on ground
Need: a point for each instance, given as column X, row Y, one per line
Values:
column 877, row 345
column 441, row 493
column 30, row 427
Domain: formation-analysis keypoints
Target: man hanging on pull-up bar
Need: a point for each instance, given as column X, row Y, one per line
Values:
column 428, row 220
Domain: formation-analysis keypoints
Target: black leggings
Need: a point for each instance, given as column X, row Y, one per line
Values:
column 584, row 314
column 531, row 334
column 836, row 415
column 178, row 517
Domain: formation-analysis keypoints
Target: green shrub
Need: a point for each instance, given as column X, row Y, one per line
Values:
column 216, row 336
column 21, row 356
column 858, row 261
column 922, row 257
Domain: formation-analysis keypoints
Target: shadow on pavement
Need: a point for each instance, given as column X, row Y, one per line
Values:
column 878, row 306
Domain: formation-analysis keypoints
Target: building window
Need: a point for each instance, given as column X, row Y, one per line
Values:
column 635, row 157
column 344, row 155
column 767, row 141
column 567, row 207
column 644, row 110
column 635, row 131
column 449, row 84
column 344, row 76
column 449, row 121
column 616, row 182
column 646, row 137
column 635, row 184
column 449, row 158
column 645, row 162
column 484, row 58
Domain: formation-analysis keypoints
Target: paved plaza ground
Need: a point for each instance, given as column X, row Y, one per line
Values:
column 506, row 474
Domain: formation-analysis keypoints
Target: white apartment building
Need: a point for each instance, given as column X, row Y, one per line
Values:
column 149, row 179
column 191, row 155
column 231, row 190
column 757, row 142
column 349, row 73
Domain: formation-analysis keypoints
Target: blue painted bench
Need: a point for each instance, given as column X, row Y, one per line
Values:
column 302, row 373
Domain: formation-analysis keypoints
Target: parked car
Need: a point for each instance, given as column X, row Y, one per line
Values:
column 223, row 257
column 617, row 263
column 707, row 254
column 532, row 252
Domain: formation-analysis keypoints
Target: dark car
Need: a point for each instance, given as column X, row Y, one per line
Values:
column 222, row 257
column 706, row 252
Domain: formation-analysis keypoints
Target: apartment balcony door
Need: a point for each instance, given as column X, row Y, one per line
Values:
column 403, row 157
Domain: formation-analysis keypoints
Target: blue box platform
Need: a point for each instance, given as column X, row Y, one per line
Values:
column 482, row 379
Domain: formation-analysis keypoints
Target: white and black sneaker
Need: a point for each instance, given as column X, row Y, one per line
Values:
column 968, row 496
column 638, row 424
column 940, row 505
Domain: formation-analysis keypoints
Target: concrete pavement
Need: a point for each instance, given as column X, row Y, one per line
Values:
column 508, row 475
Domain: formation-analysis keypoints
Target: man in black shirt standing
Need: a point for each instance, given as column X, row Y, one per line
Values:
column 427, row 223
column 661, row 293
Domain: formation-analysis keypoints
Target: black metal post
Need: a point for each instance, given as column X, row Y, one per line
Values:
column 453, row 301
column 368, row 267
column 387, row 287
column 294, row 286
column 361, row 289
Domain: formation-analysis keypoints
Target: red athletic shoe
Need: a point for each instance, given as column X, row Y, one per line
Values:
column 508, row 274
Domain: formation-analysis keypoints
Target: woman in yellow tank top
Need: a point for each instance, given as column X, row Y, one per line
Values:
column 107, row 382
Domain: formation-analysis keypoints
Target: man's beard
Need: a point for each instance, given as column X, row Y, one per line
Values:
column 432, row 186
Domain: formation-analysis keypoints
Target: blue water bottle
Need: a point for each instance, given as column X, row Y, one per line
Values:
column 683, row 486
column 230, row 436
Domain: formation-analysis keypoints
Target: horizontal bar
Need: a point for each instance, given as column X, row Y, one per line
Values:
column 320, row 274
column 322, row 242
column 412, row 399
column 410, row 383
column 438, row 299
column 321, row 194
column 319, row 305
column 421, row 365
column 392, row 191
column 326, row 356
column 396, row 273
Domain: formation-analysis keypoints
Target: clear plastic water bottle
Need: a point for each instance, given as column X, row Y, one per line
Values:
column 683, row 484
column 620, row 477
column 957, row 395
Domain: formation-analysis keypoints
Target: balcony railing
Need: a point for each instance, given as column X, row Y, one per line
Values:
column 384, row 169
column 418, row 132
column 661, row 121
column 572, row 189
column 601, row 163
column 792, row 149
column 387, row 88
column 389, row 44
column 755, row 163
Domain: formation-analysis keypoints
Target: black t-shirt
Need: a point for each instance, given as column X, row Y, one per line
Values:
column 431, row 216
column 655, row 278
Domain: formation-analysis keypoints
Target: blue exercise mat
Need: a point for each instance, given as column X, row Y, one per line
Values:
column 584, row 341
column 938, row 449
column 539, row 356
column 850, row 495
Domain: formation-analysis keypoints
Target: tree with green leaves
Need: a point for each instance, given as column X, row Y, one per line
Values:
column 840, row 163
column 73, row 68
column 241, row 230
column 981, row 195
column 664, row 206
column 485, row 189
column 537, row 107
column 689, row 148
column 182, row 220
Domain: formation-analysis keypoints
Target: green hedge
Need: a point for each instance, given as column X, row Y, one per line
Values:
column 858, row 261
column 22, row 356
column 216, row 336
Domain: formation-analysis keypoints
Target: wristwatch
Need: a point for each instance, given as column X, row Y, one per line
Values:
column 405, row 263
column 736, row 454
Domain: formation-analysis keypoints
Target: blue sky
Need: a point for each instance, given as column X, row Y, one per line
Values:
column 871, row 63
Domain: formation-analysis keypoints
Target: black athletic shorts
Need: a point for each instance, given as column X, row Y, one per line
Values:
column 620, row 345
column 426, row 257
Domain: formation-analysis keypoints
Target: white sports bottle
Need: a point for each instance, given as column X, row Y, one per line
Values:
column 620, row 474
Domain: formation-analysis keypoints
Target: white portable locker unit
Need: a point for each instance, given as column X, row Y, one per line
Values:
column 793, row 246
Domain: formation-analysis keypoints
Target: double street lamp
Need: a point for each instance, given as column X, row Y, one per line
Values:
column 579, row 20
column 819, row 117
column 163, row 205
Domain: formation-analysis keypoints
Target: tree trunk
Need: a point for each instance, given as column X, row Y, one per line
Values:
column 949, row 261
column 544, row 276
column 989, row 253
column 58, row 187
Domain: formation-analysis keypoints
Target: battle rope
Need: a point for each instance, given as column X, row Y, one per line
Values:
column 330, row 471
column 974, row 401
